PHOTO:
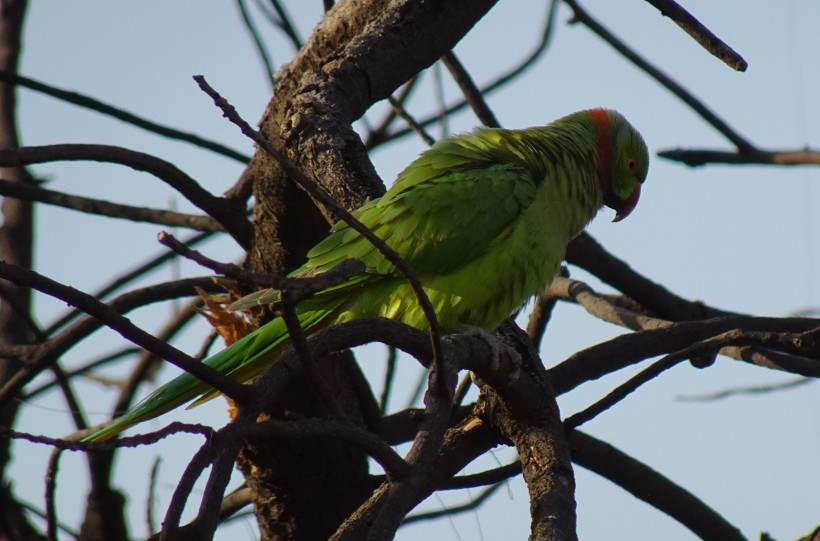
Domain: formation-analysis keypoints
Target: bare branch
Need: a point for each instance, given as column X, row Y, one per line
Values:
column 267, row 62
column 471, row 92
column 650, row 486
column 299, row 288
column 754, row 156
column 72, row 442
column 756, row 389
column 51, row 488
column 489, row 477
column 31, row 192
column 121, row 115
column 540, row 316
column 311, row 429
column 603, row 308
column 701, row 34
column 610, row 356
column 407, row 117
column 389, row 373
column 600, row 307
column 585, row 252
column 286, row 25
column 230, row 213
column 471, row 505
column 116, row 321
column 128, row 277
column 150, row 521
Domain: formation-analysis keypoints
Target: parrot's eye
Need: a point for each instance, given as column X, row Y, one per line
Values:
column 631, row 165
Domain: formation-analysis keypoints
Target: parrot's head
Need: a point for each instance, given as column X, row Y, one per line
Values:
column 623, row 162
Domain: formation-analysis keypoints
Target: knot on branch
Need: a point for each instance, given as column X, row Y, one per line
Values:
column 491, row 361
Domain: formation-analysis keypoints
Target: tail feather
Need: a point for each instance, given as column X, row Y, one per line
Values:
column 242, row 360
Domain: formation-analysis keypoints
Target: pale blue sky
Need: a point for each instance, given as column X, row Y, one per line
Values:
column 740, row 238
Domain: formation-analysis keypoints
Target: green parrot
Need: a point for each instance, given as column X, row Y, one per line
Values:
column 483, row 219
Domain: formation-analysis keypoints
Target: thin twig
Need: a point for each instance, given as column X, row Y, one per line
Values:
column 196, row 465
column 150, row 522
column 541, row 314
column 287, row 25
column 30, row 192
column 124, row 279
column 461, row 392
column 712, row 344
column 316, row 382
column 471, row 92
column 73, row 443
column 375, row 447
column 51, row 488
column 80, row 371
column 755, row 156
column 267, row 63
column 300, row 288
column 222, row 466
column 622, row 391
column 240, row 498
column 438, row 87
column 757, row 389
column 146, row 362
column 397, row 101
column 122, row 115
column 73, row 404
column 701, row 34
column 389, row 373
column 474, row 503
column 398, row 107
column 625, row 350
column 40, row 513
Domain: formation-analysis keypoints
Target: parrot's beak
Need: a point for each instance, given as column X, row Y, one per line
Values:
column 623, row 207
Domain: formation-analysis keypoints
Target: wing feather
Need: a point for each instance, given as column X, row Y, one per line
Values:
column 448, row 218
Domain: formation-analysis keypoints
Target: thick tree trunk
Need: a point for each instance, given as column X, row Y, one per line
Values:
column 16, row 238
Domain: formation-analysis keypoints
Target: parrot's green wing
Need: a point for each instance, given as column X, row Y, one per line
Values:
column 444, row 210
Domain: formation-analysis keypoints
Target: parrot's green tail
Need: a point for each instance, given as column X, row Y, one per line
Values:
column 242, row 360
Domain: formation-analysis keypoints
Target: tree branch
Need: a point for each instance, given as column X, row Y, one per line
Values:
column 114, row 320
column 32, row 192
column 93, row 104
column 753, row 156
column 650, row 486
column 230, row 213
column 701, row 34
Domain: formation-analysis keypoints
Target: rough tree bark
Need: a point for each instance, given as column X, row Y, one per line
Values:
column 16, row 238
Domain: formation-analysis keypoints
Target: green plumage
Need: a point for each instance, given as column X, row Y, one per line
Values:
column 484, row 220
